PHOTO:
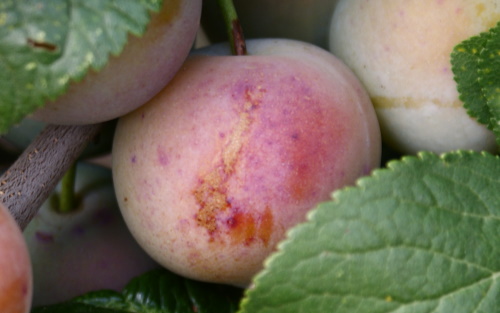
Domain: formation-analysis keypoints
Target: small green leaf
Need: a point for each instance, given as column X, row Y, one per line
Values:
column 476, row 64
column 158, row 291
column 489, row 79
column 422, row 236
column 465, row 66
column 44, row 45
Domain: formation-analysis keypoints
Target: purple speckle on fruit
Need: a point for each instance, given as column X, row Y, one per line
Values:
column 44, row 237
column 162, row 156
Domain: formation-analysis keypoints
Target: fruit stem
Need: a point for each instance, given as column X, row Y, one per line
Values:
column 30, row 180
column 233, row 27
column 67, row 197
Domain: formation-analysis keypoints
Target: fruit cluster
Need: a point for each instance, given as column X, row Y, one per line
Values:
column 208, row 158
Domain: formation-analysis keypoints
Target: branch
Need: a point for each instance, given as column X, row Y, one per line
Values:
column 33, row 176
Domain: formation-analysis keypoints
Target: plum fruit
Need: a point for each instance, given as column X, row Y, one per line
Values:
column 211, row 173
column 88, row 248
column 130, row 79
column 305, row 20
column 400, row 50
column 16, row 278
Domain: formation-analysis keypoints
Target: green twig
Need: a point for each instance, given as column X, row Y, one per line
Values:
column 233, row 27
column 67, row 198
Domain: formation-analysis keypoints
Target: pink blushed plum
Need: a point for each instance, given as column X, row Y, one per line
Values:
column 130, row 79
column 211, row 173
column 16, row 277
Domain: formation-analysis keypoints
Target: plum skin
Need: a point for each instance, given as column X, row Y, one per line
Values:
column 16, row 279
column 401, row 53
column 84, row 250
column 120, row 86
column 211, row 173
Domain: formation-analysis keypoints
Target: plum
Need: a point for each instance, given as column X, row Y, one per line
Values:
column 132, row 78
column 400, row 50
column 16, row 278
column 88, row 248
column 212, row 172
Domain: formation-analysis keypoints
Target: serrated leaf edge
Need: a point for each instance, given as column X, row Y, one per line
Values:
column 338, row 195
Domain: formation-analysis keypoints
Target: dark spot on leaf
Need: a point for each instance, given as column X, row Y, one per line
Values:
column 42, row 45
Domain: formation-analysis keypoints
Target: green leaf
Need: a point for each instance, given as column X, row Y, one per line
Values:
column 465, row 66
column 44, row 45
column 476, row 64
column 158, row 291
column 421, row 236
column 489, row 79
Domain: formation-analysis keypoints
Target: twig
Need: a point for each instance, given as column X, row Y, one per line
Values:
column 33, row 176
column 233, row 27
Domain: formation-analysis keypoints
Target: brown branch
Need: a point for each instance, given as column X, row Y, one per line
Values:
column 233, row 27
column 239, row 44
column 33, row 176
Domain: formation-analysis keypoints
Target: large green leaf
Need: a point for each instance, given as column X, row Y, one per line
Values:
column 421, row 236
column 44, row 45
column 157, row 291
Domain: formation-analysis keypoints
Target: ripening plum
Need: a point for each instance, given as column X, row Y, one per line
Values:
column 211, row 173
column 86, row 249
column 130, row 79
column 400, row 50
column 16, row 278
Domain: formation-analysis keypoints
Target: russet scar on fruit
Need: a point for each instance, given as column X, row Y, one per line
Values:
column 211, row 191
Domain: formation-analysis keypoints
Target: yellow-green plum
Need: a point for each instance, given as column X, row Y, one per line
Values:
column 305, row 20
column 400, row 50
column 211, row 173
column 89, row 248
column 130, row 79
column 16, row 278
